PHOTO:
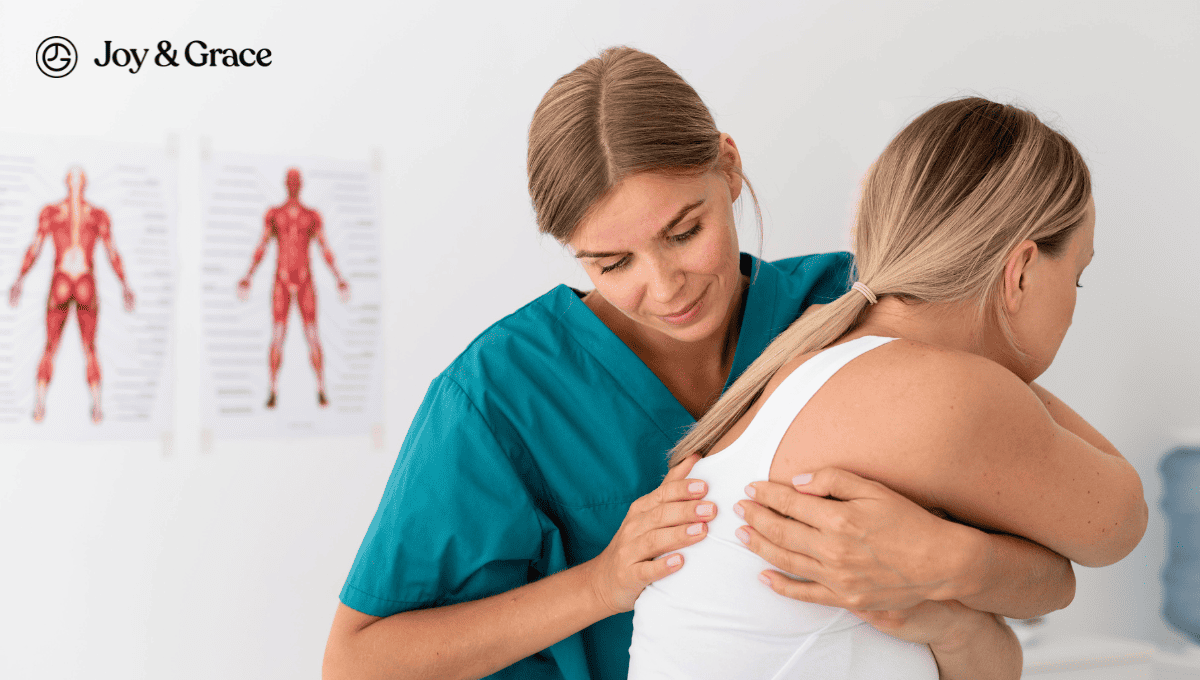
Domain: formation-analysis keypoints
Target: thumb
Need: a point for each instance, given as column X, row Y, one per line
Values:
column 834, row 482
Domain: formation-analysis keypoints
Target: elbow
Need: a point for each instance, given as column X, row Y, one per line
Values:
column 1121, row 533
column 1068, row 588
column 335, row 665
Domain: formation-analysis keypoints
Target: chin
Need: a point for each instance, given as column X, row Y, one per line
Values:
column 701, row 329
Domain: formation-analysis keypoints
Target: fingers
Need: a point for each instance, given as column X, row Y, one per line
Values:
column 785, row 532
column 837, row 483
column 676, row 513
column 790, row 561
column 654, row 544
column 652, row 570
column 813, row 511
column 805, row 591
column 819, row 593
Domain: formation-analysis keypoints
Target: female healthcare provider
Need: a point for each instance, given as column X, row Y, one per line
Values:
column 528, row 500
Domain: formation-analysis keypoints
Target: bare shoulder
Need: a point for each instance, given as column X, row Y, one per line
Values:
column 909, row 378
column 903, row 410
column 939, row 373
column 958, row 432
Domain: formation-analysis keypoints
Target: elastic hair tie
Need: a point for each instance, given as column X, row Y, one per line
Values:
column 862, row 288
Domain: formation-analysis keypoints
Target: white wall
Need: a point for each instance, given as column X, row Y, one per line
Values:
column 120, row 561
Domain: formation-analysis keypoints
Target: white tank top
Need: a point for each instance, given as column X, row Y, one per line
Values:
column 714, row 619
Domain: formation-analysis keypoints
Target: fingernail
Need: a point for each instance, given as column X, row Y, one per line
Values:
column 704, row 509
column 743, row 535
column 766, row 581
column 695, row 529
column 674, row 561
column 696, row 487
column 739, row 510
column 750, row 491
column 801, row 480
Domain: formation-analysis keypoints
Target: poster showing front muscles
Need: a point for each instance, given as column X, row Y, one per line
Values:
column 87, row 248
column 291, row 297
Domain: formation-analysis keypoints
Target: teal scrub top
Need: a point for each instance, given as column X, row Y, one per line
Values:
column 529, row 448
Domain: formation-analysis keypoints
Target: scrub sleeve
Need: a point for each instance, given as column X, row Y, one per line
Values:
column 527, row 451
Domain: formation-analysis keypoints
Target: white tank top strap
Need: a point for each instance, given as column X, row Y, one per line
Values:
column 772, row 421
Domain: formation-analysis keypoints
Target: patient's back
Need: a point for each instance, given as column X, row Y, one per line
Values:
column 715, row 619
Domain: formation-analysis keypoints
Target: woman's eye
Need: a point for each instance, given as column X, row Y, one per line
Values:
column 604, row 269
column 680, row 238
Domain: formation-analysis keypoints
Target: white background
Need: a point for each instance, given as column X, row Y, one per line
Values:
column 119, row 561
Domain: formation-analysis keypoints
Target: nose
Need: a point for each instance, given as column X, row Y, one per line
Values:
column 666, row 279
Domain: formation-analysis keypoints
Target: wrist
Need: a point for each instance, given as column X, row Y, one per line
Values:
column 594, row 590
column 969, row 563
column 965, row 627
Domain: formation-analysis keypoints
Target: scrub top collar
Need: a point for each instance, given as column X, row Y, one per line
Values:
column 638, row 381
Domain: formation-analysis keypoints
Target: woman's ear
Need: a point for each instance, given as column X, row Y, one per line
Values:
column 1017, row 271
column 730, row 163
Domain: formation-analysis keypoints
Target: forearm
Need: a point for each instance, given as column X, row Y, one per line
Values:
column 1013, row 577
column 982, row 648
column 468, row 640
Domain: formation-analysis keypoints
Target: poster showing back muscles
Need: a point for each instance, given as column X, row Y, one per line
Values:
column 291, row 297
column 87, row 262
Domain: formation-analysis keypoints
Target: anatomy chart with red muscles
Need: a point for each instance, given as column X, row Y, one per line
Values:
column 290, row 297
column 87, row 275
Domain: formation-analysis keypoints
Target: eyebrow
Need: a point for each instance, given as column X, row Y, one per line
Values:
column 661, row 232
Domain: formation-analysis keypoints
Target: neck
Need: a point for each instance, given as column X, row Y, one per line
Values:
column 695, row 372
column 953, row 325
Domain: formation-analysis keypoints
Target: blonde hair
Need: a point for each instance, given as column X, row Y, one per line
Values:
column 619, row 114
column 942, row 208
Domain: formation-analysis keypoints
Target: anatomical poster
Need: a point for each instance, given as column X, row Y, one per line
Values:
column 291, row 297
column 87, row 273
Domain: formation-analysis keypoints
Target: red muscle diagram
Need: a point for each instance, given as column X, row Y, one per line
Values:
column 293, row 226
column 73, row 225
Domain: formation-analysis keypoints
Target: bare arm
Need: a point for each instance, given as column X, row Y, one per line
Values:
column 865, row 546
column 967, row 644
column 1045, row 473
column 468, row 640
column 1073, row 422
column 985, row 649
column 957, row 432
column 473, row 639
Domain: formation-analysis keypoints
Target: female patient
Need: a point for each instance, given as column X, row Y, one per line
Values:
column 974, row 227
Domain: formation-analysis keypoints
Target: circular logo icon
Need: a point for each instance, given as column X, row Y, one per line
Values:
column 56, row 56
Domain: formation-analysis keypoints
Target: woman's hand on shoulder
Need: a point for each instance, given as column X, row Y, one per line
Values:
column 671, row 517
column 859, row 544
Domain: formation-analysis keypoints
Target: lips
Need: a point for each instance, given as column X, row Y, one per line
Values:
column 687, row 313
